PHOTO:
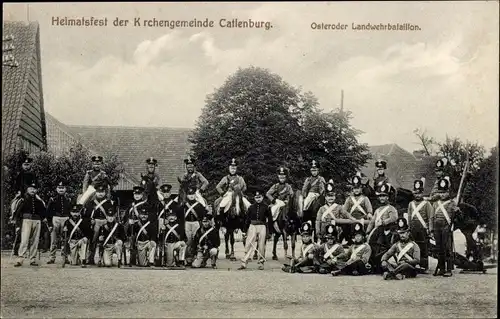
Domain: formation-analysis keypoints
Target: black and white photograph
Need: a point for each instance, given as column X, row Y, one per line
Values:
column 250, row 160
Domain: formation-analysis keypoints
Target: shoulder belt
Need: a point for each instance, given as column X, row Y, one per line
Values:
column 329, row 211
column 403, row 251
column 172, row 230
column 357, row 250
column 444, row 211
column 191, row 209
column 164, row 208
column 307, row 248
column 75, row 227
column 134, row 207
column 381, row 211
column 98, row 206
column 110, row 234
column 330, row 251
column 356, row 204
column 142, row 230
column 205, row 235
column 416, row 212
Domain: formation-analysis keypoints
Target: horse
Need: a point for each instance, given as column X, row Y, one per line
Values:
column 312, row 210
column 287, row 223
column 232, row 221
column 150, row 190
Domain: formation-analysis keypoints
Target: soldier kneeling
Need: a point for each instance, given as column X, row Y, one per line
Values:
column 208, row 241
column 406, row 254
column 357, row 256
column 308, row 261
column 330, row 250
column 111, row 237
column 146, row 239
column 175, row 242
column 78, row 231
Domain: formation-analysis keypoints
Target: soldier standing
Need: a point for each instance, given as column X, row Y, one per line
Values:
column 31, row 211
column 145, row 231
column 77, row 231
column 441, row 166
column 258, row 217
column 330, row 250
column 312, row 190
column 96, row 211
column 330, row 211
column 58, row 210
column 445, row 210
column 354, row 261
column 167, row 205
column 111, row 238
column 208, row 242
column 174, row 241
column 192, row 179
column 420, row 215
column 130, row 218
column 193, row 214
column 358, row 205
column 406, row 254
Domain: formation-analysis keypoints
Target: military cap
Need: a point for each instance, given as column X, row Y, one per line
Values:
column 97, row 158
column 76, row 208
column 233, row 162
column 191, row 191
column 331, row 231
column 306, row 229
column 381, row 164
column 165, row 188
column 189, row 161
column 61, row 182
column 143, row 210
column 444, row 184
column 418, row 186
column 207, row 217
column 356, row 181
column 259, row 192
column 383, row 190
column 152, row 160
column 402, row 225
column 359, row 229
column 282, row 171
column 314, row 164
column 28, row 159
column 101, row 188
column 330, row 188
column 32, row 182
column 441, row 163
column 138, row 189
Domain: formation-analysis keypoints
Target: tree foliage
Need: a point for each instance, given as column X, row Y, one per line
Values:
column 263, row 122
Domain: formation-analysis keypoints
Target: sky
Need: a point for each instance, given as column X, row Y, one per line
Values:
column 442, row 79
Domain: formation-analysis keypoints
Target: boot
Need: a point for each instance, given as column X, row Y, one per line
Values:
column 51, row 261
column 255, row 257
column 214, row 262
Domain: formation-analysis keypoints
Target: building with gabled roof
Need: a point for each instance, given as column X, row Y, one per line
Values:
column 23, row 117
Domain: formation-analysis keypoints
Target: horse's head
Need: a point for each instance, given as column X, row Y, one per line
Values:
column 147, row 183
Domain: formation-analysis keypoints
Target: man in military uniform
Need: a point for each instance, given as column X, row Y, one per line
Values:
column 380, row 177
column 330, row 250
column 28, row 216
column 355, row 260
column 130, row 218
column 440, row 169
column 77, row 231
column 111, row 238
column 174, row 241
column 406, row 254
column 151, row 173
column 330, row 211
column 192, row 179
column 96, row 211
column 193, row 214
column 95, row 177
column 231, row 188
column 58, row 210
column 358, row 205
column 309, row 259
column 420, row 214
column 168, row 204
column 312, row 190
column 145, row 234
column 257, row 218
column 208, row 241
column 445, row 210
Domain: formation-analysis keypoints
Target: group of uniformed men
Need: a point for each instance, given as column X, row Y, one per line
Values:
column 180, row 231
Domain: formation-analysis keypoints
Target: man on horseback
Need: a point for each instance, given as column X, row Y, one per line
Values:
column 330, row 212
column 380, row 177
column 445, row 211
column 257, row 218
column 93, row 178
column 231, row 206
column 313, row 189
column 193, row 212
column 192, row 179
column 419, row 216
column 280, row 195
column 358, row 205
column 381, row 226
column 151, row 176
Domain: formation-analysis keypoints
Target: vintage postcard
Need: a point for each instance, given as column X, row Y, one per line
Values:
column 255, row 159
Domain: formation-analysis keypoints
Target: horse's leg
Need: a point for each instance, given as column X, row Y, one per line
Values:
column 293, row 238
column 285, row 241
column 226, row 240
column 232, row 245
column 276, row 237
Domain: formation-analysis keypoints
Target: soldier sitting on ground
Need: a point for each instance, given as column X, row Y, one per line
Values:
column 308, row 260
column 111, row 238
column 175, row 242
column 208, row 241
column 146, row 233
column 77, row 231
column 354, row 261
column 330, row 250
column 406, row 254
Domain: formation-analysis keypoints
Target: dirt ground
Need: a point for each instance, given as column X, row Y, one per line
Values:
column 72, row 292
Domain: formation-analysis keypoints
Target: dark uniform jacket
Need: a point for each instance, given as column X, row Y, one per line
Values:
column 95, row 178
column 258, row 214
column 169, row 205
column 175, row 235
column 281, row 191
column 95, row 210
column 195, row 214
column 22, row 180
column 132, row 212
column 105, row 230
column 59, row 206
column 30, row 208
column 84, row 228
column 150, row 232
column 212, row 240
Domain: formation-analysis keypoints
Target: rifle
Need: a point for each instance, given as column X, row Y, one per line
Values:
column 132, row 245
column 64, row 252
column 14, row 243
column 462, row 180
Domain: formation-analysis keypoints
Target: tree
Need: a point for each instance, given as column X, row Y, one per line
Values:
column 264, row 122
column 428, row 143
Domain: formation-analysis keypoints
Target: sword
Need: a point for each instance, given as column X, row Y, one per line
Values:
column 14, row 245
column 258, row 252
